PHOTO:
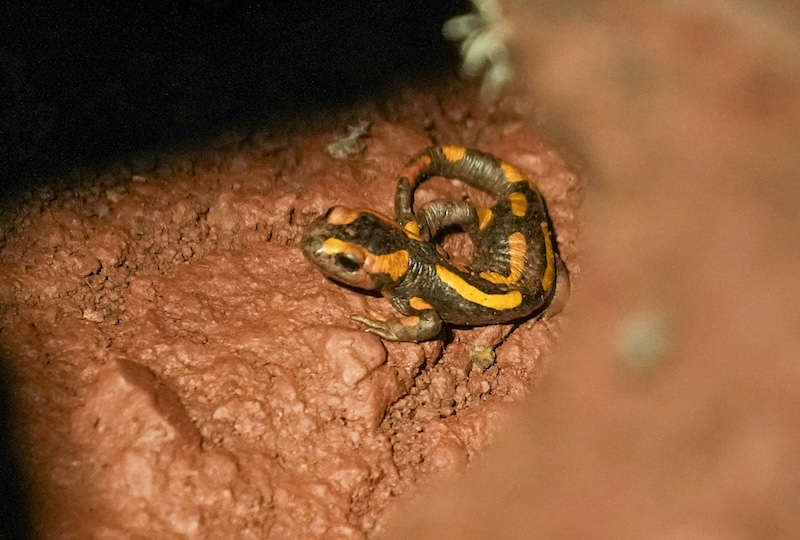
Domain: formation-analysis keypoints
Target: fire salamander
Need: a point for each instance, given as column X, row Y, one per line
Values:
column 516, row 269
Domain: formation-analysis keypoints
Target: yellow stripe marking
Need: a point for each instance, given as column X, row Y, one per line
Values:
column 485, row 216
column 419, row 304
column 454, row 153
column 508, row 300
column 342, row 216
column 519, row 204
column 412, row 230
column 550, row 270
column 516, row 252
column 512, row 174
column 395, row 264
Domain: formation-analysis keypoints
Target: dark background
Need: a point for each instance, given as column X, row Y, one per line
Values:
column 85, row 85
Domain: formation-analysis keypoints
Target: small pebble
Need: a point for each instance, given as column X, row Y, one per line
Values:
column 482, row 357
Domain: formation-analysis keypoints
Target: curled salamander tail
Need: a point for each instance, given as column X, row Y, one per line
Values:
column 476, row 168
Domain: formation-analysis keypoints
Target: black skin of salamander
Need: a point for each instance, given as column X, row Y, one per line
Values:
column 381, row 235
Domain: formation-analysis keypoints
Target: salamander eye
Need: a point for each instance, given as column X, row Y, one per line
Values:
column 347, row 262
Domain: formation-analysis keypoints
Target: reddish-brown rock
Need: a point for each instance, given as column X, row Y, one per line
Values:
column 184, row 371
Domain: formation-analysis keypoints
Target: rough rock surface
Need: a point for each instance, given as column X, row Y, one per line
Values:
column 179, row 370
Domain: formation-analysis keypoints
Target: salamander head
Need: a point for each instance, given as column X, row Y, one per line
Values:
column 357, row 247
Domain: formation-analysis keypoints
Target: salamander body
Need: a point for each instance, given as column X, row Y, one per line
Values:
column 516, row 270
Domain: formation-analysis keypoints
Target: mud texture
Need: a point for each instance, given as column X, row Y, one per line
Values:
column 177, row 369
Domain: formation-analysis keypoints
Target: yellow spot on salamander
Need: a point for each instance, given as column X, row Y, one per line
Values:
column 412, row 230
column 395, row 264
column 550, row 270
column 419, row 304
column 512, row 174
column 340, row 215
column 508, row 300
column 484, row 217
column 454, row 153
column 516, row 254
column 519, row 204
column 424, row 160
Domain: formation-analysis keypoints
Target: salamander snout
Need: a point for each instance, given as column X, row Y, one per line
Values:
column 327, row 245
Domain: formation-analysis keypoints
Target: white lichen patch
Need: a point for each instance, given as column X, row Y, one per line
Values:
column 483, row 35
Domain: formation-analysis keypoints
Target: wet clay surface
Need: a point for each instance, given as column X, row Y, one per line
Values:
column 178, row 368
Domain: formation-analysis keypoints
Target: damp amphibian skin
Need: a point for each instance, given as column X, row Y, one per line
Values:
column 516, row 270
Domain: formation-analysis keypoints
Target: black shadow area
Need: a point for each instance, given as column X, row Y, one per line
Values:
column 93, row 81
column 15, row 508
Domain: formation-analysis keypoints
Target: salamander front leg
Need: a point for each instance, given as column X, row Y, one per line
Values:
column 420, row 327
